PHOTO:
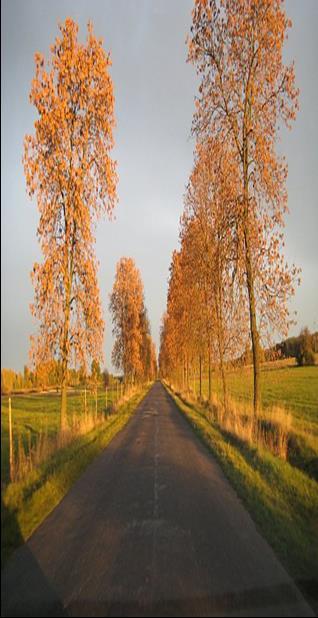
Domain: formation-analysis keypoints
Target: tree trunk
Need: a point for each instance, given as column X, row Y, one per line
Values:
column 253, row 326
column 188, row 384
column 200, row 364
column 68, row 278
column 63, row 419
column 210, row 376
column 220, row 332
column 224, row 386
column 65, row 348
column 220, row 338
column 248, row 258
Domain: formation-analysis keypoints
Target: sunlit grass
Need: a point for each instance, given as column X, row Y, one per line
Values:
column 288, row 419
column 295, row 388
column 36, row 414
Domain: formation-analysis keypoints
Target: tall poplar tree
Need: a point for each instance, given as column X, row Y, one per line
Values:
column 68, row 167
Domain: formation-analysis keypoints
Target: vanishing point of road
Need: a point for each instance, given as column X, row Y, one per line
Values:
column 152, row 528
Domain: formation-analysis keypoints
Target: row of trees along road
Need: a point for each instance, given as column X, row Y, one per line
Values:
column 134, row 351
column 229, row 283
column 68, row 167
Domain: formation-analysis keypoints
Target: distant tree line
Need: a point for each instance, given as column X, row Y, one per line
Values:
column 48, row 375
column 303, row 348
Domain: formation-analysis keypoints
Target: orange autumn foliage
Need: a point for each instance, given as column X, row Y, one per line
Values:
column 126, row 303
column 246, row 92
column 133, row 351
column 68, row 167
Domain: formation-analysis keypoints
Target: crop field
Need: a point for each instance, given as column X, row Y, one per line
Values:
column 39, row 413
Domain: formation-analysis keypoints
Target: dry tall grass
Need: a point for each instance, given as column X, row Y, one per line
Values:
column 271, row 430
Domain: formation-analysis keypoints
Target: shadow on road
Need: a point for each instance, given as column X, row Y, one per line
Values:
column 244, row 603
column 28, row 592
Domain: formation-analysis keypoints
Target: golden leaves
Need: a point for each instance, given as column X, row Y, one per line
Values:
column 133, row 350
column 230, row 258
column 74, row 99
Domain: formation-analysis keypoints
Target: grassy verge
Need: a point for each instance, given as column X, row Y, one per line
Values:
column 289, row 406
column 26, row 504
column 38, row 414
column 282, row 500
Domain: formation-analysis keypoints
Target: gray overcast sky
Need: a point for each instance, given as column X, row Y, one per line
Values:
column 154, row 90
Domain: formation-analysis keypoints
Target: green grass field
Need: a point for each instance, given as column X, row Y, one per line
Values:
column 295, row 388
column 33, row 413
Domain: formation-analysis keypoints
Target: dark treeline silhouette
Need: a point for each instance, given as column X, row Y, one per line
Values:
column 303, row 347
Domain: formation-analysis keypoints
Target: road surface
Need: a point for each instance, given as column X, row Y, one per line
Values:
column 152, row 528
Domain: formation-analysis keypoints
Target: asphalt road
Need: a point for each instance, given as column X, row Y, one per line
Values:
column 152, row 528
